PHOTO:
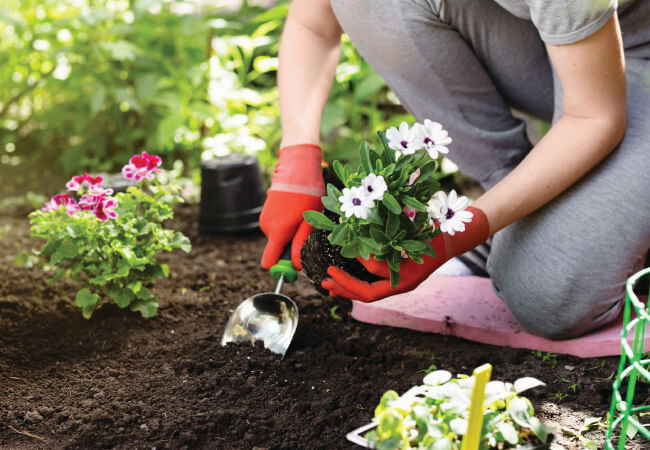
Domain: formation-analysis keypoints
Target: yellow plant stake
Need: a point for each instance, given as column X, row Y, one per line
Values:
column 475, row 422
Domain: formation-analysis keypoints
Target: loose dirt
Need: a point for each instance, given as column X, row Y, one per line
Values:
column 121, row 381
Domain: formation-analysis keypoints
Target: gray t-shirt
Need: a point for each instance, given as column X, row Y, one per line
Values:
column 567, row 21
column 562, row 22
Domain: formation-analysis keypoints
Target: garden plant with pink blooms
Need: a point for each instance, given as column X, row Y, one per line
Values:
column 108, row 243
column 391, row 206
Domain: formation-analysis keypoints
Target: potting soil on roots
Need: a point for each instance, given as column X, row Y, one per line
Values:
column 121, row 381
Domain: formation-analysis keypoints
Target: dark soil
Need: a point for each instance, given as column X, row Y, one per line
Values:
column 318, row 254
column 121, row 381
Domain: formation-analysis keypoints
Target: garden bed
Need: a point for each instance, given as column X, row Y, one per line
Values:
column 121, row 381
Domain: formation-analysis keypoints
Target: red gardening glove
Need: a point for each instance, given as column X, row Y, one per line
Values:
column 296, row 187
column 446, row 246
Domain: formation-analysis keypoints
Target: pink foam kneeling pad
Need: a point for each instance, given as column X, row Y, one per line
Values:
column 467, row 307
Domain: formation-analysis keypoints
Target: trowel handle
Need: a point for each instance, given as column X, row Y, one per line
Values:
column 284, row 266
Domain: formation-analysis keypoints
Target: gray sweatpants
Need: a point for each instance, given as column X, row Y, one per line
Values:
column 465, row 63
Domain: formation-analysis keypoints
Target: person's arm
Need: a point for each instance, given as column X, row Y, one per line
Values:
column 592, row 72
column 309, row 54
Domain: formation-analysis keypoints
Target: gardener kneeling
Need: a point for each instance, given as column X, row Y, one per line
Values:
column 569, row 215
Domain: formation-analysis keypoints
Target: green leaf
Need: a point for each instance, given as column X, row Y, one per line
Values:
column 364, row 250
column 164, row 268
column 364, row 156
column 121, row 50
column 147, row 309
column 59, row 273
column 87, row 301
column 394, row 278
column 427, row 169
column 508, row 432
column 350, row 250
column 339, row 234
column 414, row 203
column 179, row 240
column 123, row 269
column 391, row 443
column 392, row 226
column 97, row 98
column 404, row 175
column 540, row 430
column 167, row 128
column 126, row 252
column 373, row 246
column 413, row 246
column 373, row 217
column 121, row 296
column 67, row 250
column 520, row 410
column 333, row 192
column 369, row 86
column 332, row 118
column 145, row 86
column 144, row 294
column 394, row 261
column 318, row 220
column 330, row 204
column 388, row 152
column 390, row 203
column 340, row 172
column 379, row 235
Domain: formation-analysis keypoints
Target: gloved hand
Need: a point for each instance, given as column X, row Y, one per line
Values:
column 446, row 246
column 297, row 186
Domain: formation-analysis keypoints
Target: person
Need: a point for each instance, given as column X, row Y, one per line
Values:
column 569, row 216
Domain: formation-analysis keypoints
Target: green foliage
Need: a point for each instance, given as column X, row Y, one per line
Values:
column 432, row 367
column 114, row 259
column 360, row 104
column 86, row 83
column 435, row 414
column 549, row 357
column 387, row 233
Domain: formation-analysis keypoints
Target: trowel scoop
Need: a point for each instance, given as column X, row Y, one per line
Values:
column 270, row 317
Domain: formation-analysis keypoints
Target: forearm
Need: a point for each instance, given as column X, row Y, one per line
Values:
column 592, row 74
column 572, row 147
column 309, row 54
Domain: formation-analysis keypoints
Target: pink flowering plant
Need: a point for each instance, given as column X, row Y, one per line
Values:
column 108, row 243
column 390, row 206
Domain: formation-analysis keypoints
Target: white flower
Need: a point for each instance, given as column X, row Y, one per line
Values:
column 458, row 425
column 355, row 202
column 449, row 211
column 434, row 138
column 374, row 186
column 404, row 140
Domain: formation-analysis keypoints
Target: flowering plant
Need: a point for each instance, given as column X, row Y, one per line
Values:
column 108, row 243
column 435, row 414
column 388, row 207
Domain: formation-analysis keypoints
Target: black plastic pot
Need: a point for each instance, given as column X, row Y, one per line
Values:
column 117, row 182
column 232, row 194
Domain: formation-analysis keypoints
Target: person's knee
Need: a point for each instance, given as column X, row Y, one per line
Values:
column 554, row 303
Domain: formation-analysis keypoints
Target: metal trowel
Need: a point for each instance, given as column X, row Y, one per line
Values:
column 270, row 317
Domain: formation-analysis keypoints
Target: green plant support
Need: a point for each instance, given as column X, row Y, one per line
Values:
column 632, row 365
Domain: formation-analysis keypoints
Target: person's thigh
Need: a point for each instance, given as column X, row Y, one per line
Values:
column 562, row 269
column 462, row 63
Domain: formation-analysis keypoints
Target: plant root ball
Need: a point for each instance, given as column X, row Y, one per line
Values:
column 318, row 254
